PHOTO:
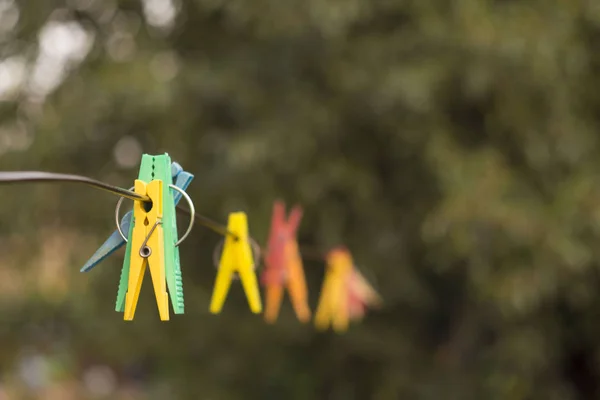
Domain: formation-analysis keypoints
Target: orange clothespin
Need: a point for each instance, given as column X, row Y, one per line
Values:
column 283, row 266
column 345, row 293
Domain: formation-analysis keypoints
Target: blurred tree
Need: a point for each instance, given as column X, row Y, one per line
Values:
column 451, row 145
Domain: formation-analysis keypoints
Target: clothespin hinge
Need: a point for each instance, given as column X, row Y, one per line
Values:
column 145, row 250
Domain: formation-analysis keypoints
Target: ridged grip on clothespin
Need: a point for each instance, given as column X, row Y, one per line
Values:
column 151, row 168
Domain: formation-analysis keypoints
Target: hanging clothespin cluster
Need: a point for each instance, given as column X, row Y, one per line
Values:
column 152, row 238
column 115, row 241
column 153, row 241
column 150, row 233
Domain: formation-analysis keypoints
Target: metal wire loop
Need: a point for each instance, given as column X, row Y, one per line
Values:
column 187, row 199
column 117, row 212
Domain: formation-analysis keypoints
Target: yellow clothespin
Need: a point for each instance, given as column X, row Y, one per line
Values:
column 236, row 257
column 147, row 249
column 333, row 304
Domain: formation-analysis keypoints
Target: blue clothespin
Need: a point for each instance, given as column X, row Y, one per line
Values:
column 181, row 179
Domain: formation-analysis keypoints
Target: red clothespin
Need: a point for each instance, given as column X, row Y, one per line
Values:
column 283, row 265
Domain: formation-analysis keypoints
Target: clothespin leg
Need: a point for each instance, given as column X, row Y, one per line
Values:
column 137, row 268
column 250, row 284
column 245, row 266
column 324, row 311
column 339, row 295
column 299, row 299
column 296, row 285
column 137, row 264
column 222, row 284
column 124, row 279
column 274, row 296
column 366, row 291
column 356, row 309
column 112, row 244
column 340, row 319
column 157, row 271
column 156, row 240
column 162, row 170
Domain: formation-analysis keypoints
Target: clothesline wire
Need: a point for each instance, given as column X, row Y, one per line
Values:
column 8, row 177
column 51, row 177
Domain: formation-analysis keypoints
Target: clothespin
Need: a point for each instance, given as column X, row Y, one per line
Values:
column 345, row 293
column 236, row 258
column 147, row 250
column 360, row 296
column 333, row 306
column 283, row 266
column 115, row 241
column 156, row 229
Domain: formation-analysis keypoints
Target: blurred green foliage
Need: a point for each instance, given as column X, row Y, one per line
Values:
column 451, row 145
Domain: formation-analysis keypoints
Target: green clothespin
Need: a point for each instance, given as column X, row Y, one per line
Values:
column 158, row 167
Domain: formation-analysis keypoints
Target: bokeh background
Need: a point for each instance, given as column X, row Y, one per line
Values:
column 452, row 146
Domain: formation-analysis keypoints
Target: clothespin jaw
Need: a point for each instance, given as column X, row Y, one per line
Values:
column 147, row 250
column 283, row 265
column 115, row 241
column 333, row 303
column 236, row 257
column 159, row 168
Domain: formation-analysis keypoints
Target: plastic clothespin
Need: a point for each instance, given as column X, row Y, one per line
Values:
column 115, row 241
column 361, row 295
column 283, row 266
column 345, row 294
column 333, row 303
column 147, row 250
column 236, row 258
column 153, row 169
